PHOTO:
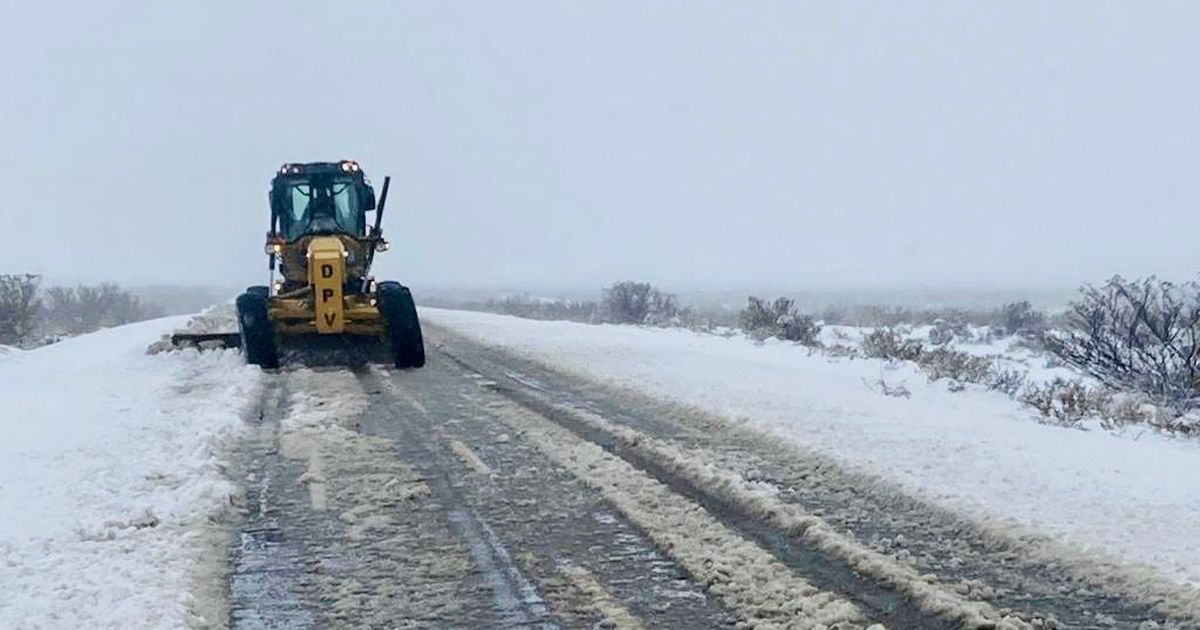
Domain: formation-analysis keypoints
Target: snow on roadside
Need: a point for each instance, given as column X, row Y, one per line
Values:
column 975, row 451
column 110, row 478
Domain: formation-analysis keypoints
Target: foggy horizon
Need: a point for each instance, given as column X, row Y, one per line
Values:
column 535, row 145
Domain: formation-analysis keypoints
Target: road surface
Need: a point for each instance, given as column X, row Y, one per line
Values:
column 488, row 491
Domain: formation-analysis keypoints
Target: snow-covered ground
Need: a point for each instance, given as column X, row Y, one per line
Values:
column 109, row 476
column 1135, row 496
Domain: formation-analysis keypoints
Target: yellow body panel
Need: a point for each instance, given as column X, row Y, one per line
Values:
column 322, row 307
column 327, row 275
column 294, row 316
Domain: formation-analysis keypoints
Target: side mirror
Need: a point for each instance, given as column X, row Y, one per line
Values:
column 368, row 196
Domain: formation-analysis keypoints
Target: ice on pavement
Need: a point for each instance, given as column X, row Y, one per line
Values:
column 1135, row 497
column 110, row 477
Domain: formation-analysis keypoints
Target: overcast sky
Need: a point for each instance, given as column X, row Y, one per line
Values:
column 695, row 144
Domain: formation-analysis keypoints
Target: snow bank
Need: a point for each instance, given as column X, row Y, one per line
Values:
column 109, row 478
column 7, row 352
column 975, row 451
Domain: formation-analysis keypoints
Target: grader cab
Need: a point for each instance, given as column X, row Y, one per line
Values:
column 322, row 246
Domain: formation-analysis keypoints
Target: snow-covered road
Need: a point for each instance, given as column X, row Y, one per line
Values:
column 467, row 491
column 1134, row 496
column 109, row 476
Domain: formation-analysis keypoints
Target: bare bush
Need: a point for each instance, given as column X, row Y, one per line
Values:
column 1067, row 402
column 1005, row 381
column 959, row 366
column 1180, row 424
column 543, row 309
column 882, row 315
column 890, row 316
column 630, row 302
column 779, row 319
column 707, row 319
column 1020, row 318
column 19, row 306
column 1131, row 410
column 1139, row 335
column 842, row 350
column 85, row 309
column 946, row 330
column 888, row 343
column 941, row 362
column 895, row 391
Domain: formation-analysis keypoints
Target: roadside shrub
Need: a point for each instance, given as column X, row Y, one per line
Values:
column 887, row 343
column 884, row 316
column 895, row 391
column 890, row 316
column 631, row 302
column 1005, row 381
column 944, row 331
column 842, row 350
column 941, row 362
column 779, row 319
column 543, row 309
column 1181, row 424
column 1020, row 318
column 959, row 366
column 1130, row 410
column 19, row 306
column 707, row 319
column 940, row 335
column 84, row 309
column 1139, row 335
column 1067, row 402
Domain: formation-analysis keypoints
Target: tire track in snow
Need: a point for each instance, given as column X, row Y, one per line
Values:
column 617, row 615
column 892, row 593
column 761, row 591
column 514, row 596
column 266, row 569
column 545, row 515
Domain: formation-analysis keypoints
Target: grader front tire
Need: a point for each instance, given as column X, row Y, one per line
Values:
column 254, row 326
column 403, row 328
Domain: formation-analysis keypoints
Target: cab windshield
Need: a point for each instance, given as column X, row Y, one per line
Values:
column 320, row 207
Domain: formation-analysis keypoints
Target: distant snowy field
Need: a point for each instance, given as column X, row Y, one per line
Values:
column 109, row 475
column 1134, row 495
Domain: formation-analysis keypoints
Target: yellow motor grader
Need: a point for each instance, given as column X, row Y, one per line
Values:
column 323, row 248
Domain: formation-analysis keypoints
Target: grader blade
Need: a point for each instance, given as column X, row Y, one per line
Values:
column 206, row 341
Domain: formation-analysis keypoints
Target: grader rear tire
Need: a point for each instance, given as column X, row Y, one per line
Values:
column 254, row 326
column 403, row 327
